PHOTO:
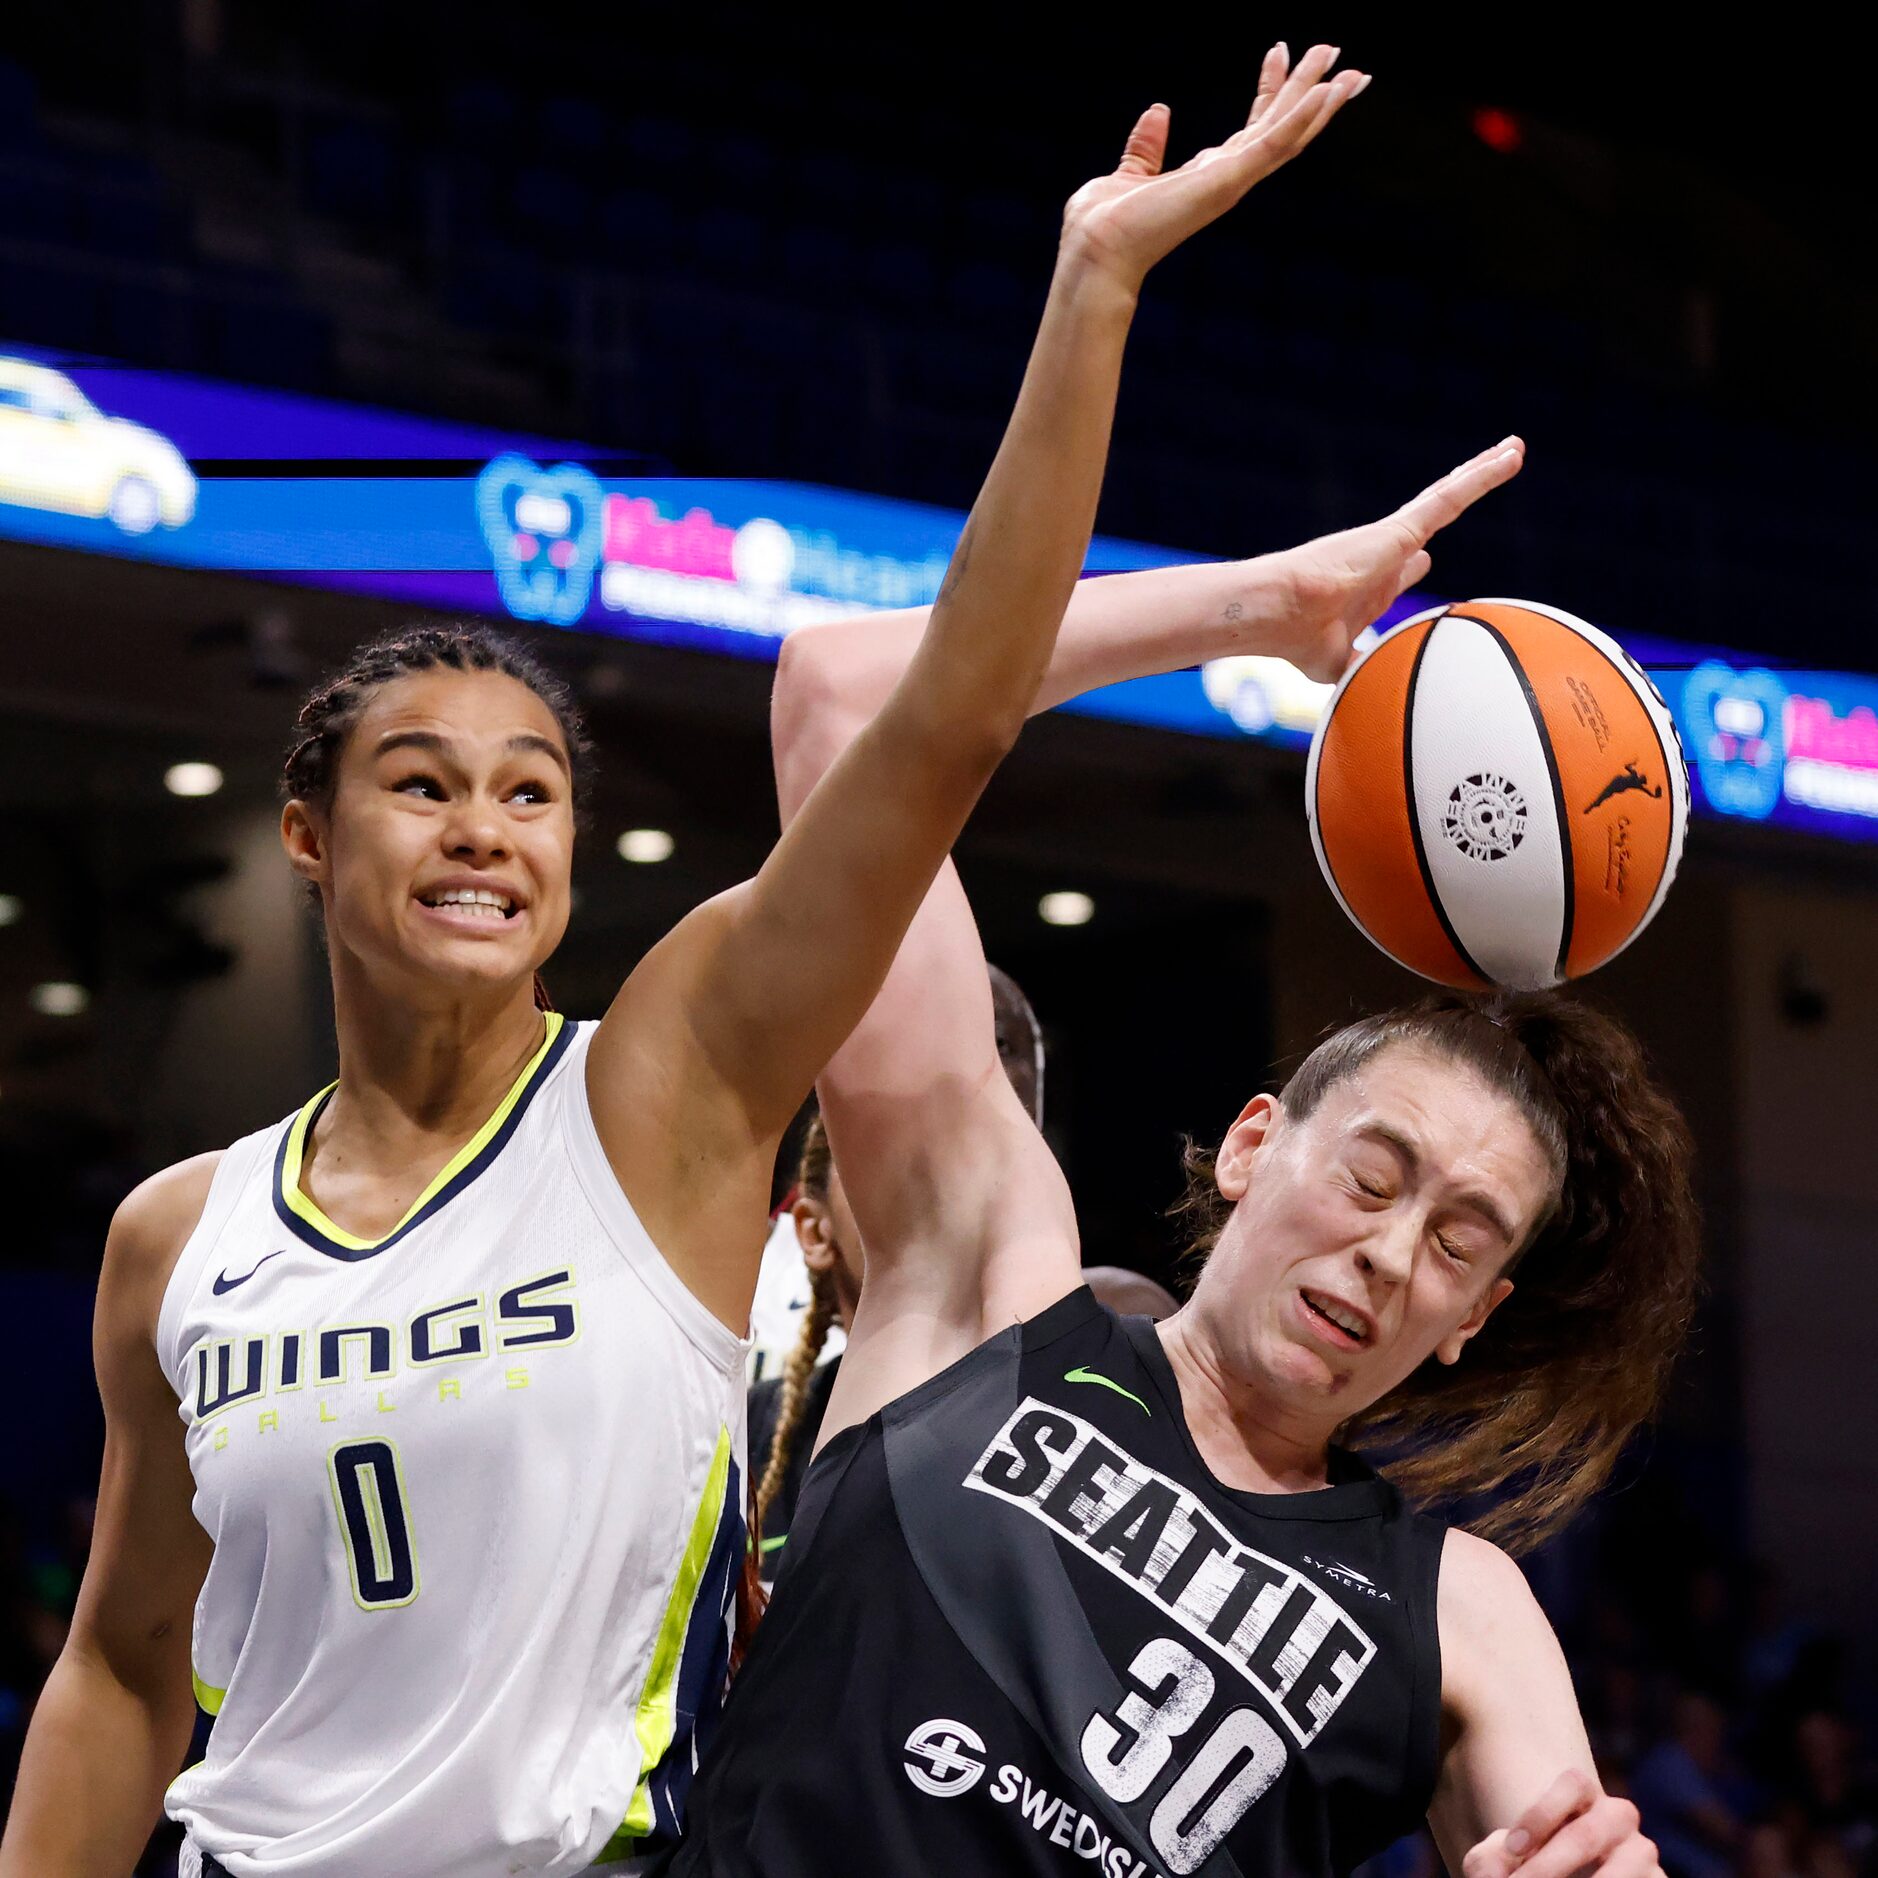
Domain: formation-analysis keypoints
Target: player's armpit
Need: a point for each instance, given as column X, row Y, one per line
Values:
column 932, row 1308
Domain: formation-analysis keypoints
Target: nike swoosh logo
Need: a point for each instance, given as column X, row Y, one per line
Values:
column 225, row 1283
column 1079, row 1374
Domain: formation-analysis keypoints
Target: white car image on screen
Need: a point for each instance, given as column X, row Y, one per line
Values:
column 59, row 451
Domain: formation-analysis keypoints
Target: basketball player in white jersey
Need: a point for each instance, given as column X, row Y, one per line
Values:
column 428, row 1399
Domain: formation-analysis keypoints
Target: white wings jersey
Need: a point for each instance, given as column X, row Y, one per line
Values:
column 476, row 1492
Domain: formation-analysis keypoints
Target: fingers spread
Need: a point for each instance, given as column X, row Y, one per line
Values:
column 1227, row 172
column 1272, row 71
column 1308, row 71
column 1290, row 124
column 1211, row 182
column 1147, row 143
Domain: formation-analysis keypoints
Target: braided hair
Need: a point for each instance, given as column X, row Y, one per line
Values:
column 812, row 1171
column 332, row 710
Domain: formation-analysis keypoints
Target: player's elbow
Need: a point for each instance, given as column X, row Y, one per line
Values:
column 818, row 703
column 144, row 1686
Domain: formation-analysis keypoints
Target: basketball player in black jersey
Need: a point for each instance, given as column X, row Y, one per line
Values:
column 1068, row 1592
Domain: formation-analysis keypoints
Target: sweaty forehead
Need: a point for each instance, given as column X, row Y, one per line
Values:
column 467, row 707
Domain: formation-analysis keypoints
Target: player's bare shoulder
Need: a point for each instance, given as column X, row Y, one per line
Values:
column 151, row 1226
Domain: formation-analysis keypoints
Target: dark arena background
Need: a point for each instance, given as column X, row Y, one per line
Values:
column 373, row 282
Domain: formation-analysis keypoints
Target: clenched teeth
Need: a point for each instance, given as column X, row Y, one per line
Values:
column 1345, row 1320
column 479, row 900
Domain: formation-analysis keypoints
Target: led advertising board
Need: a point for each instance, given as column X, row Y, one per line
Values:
column 162, row 467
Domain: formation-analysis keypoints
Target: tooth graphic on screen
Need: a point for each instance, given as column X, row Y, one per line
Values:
column 1737, row 726
column 545, row 528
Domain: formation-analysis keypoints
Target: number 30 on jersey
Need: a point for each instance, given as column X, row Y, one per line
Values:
column 1220, row 1779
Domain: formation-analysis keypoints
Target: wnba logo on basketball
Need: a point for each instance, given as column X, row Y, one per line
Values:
column 1559, row 841
column 1486, row 818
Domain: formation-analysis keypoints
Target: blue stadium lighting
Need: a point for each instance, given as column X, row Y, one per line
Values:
column 731, row 566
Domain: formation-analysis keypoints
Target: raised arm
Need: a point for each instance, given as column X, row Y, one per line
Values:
column 1305, row 605
column 964, row 1213
column 722, row 1028
column 965, row 1218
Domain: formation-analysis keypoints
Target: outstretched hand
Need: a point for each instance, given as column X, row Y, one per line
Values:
column 1574, row 1827
column 1342, row 583
column 1126, row 221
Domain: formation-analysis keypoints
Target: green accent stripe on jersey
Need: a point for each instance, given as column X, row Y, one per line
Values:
column 657, row 1720
column 208, row 1699
column 303, row 1208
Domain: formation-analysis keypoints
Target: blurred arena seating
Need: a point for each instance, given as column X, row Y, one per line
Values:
column 851, row 304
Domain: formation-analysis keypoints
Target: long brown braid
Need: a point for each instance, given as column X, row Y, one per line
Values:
column 812, row 1170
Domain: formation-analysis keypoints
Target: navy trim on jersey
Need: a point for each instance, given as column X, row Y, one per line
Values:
column 310, row 1234
column 703, row 1668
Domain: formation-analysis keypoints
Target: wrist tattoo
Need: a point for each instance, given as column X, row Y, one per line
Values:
column 1234, row 610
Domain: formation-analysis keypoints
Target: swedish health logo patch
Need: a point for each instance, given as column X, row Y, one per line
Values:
column 545, row 529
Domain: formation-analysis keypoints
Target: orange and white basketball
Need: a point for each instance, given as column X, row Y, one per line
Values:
column 1497, row 795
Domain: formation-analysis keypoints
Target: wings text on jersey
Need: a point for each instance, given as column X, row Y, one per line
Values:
column 537, row 1312
column 1284, row 1634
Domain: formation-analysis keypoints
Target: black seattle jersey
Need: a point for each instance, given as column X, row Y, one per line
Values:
column 1020, row 1628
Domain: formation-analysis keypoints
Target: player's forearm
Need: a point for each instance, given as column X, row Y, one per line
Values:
column 835, row 676
column 92, row 1775
column 1117, row 627
column 1161, row 619
column 987, row 642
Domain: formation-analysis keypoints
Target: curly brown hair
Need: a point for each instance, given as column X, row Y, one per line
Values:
column 1534, row 1416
